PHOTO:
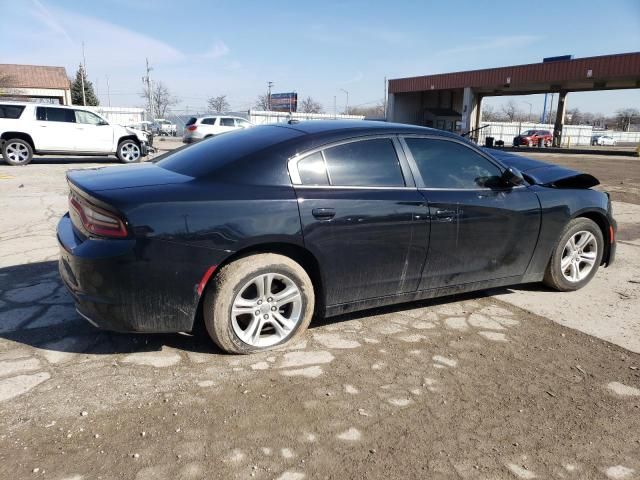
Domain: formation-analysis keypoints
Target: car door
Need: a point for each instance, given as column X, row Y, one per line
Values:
column 93, row 133
column 480, row 228
column 362, row 217
column 55, row 129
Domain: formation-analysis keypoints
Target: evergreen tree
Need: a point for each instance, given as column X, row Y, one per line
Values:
column 76, row 89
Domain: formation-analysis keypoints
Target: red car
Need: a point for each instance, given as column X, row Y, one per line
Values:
column 531, row 138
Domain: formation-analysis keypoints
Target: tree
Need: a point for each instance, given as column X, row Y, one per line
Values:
column 625, row 117
column 511, row 111
column 374, row 111
column 161, row 99
column 218, row 104
column 76, row 90
column 262, row 103
column 489, row 114
column 309, row 105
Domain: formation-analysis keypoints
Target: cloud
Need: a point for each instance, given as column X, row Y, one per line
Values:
column 493, row 43
column 219, row 49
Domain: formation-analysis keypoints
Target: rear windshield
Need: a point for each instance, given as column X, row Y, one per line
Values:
column 11, row 111
column 205, row 157
column 191, row 121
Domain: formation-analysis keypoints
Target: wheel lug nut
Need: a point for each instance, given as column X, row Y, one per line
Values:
column 266, row 315
column 273, row 309
column 269, row 299
column 259, row 302
column 257, row 312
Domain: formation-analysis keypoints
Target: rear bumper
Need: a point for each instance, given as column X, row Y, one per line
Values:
column 130, row 285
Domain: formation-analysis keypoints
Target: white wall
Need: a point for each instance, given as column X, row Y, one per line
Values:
column 258, row 117
column 120, row 115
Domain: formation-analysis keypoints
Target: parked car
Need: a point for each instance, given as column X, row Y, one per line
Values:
column 199, row 128
column 28, row 129
column 603, row 140
column 531, row 138
column 165, row 127
column 255, row 231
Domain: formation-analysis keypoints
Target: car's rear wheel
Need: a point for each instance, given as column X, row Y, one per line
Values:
column 258, row 302
column 577, row 256
column 17, row 152
column 129, row 151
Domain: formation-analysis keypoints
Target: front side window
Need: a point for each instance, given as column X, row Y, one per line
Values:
column 227, row 122
column 366, row 163
column 51, row 114
column 312, row 170
column 242, row 123
column 451, row 165
column 12, row 112
column 88, row 118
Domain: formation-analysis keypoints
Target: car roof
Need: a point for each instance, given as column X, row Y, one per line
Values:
column 54, row 105
column 360, row 126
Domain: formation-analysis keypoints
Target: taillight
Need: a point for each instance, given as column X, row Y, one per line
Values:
column 192, row 128
column 95, row 220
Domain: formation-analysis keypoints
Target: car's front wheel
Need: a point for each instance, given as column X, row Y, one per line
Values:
column 576, row 257
column 17, row 152
column 257, row 303
column 129, row 151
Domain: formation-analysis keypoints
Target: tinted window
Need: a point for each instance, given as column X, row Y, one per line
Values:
column 445, row 164
column 191, row 121
column 56, row 114
column 87, row 117
column 227, row 122
column 368, row 163
column 204, row 158
column 208, row 121
column 11, row 111
column 312, row 170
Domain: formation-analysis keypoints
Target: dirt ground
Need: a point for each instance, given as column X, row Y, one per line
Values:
column 485, row 386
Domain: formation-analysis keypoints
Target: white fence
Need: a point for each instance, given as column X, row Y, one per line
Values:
column 572, row 135
column 259, row 117
column 121, row 115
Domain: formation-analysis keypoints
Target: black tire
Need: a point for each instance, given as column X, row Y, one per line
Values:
column 125, row 151
column 16, row 152
column 554, row 277
column 229, row 282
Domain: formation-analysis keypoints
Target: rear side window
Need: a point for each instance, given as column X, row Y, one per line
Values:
column 12, row 112
column 50, row 114
column 451, row 165
column 366, row 163
column 312, row 170
column 191, row 121
column 208, row 121
column 227, row 122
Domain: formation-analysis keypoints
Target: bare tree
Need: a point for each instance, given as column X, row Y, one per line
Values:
column 626, row 116
column 218, row 104
column 161, row 99
column 374, row 111
column 511, row 111
column 489, row 114
column 262, row 103
column 309, row 105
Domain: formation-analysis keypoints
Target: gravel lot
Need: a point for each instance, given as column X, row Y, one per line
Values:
column 485, row 386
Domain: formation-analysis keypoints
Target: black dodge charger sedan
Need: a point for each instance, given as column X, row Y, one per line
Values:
column 254, row 231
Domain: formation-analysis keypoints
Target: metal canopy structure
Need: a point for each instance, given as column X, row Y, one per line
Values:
column 410, row 99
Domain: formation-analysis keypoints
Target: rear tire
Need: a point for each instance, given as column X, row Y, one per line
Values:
column 17, row 152
column 129, row 151
column 576, row 257
column 244, row 317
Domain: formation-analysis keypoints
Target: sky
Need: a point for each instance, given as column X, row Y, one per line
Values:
column 201, row 49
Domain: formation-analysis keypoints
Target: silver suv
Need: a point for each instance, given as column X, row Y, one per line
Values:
column 199, row 128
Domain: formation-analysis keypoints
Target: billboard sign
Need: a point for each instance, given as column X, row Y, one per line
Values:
column 284, row 102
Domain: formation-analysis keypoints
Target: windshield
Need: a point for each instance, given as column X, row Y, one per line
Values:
column 205, row 157
column 528, row 132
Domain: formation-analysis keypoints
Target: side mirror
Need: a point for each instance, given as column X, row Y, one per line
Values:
column 103, row 123
column 512, row 177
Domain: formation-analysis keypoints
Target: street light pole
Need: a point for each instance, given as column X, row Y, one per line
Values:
column 346, row 107
column 269, row 85
column 530, row 107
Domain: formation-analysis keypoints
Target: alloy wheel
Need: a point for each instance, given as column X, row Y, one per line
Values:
column 17, row 152
column 267, row 310
column 130, row 152
column 579, row 256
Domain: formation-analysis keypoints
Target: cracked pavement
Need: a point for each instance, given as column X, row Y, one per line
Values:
column 471, row 387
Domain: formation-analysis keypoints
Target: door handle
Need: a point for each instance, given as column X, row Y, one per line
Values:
column 323, row 213
column 446, row 215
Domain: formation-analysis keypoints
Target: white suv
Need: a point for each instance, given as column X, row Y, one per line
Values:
column 29, row 128
column 199, row 128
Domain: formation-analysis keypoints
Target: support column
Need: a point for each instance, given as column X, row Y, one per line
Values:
column 469, row 111
column 391, row 103
column 560, row 111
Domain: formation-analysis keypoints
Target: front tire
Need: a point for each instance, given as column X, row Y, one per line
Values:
column 129, row 151
column 17, row 152
column 576, row 257
column 257, row 303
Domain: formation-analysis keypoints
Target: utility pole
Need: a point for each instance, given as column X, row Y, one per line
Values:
column 108, row 91
column 82, row 74
column 346, row 106
column 384, row 99
column 269, row 86
column 147, row 81
column 335, row 110
column 530, row 107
